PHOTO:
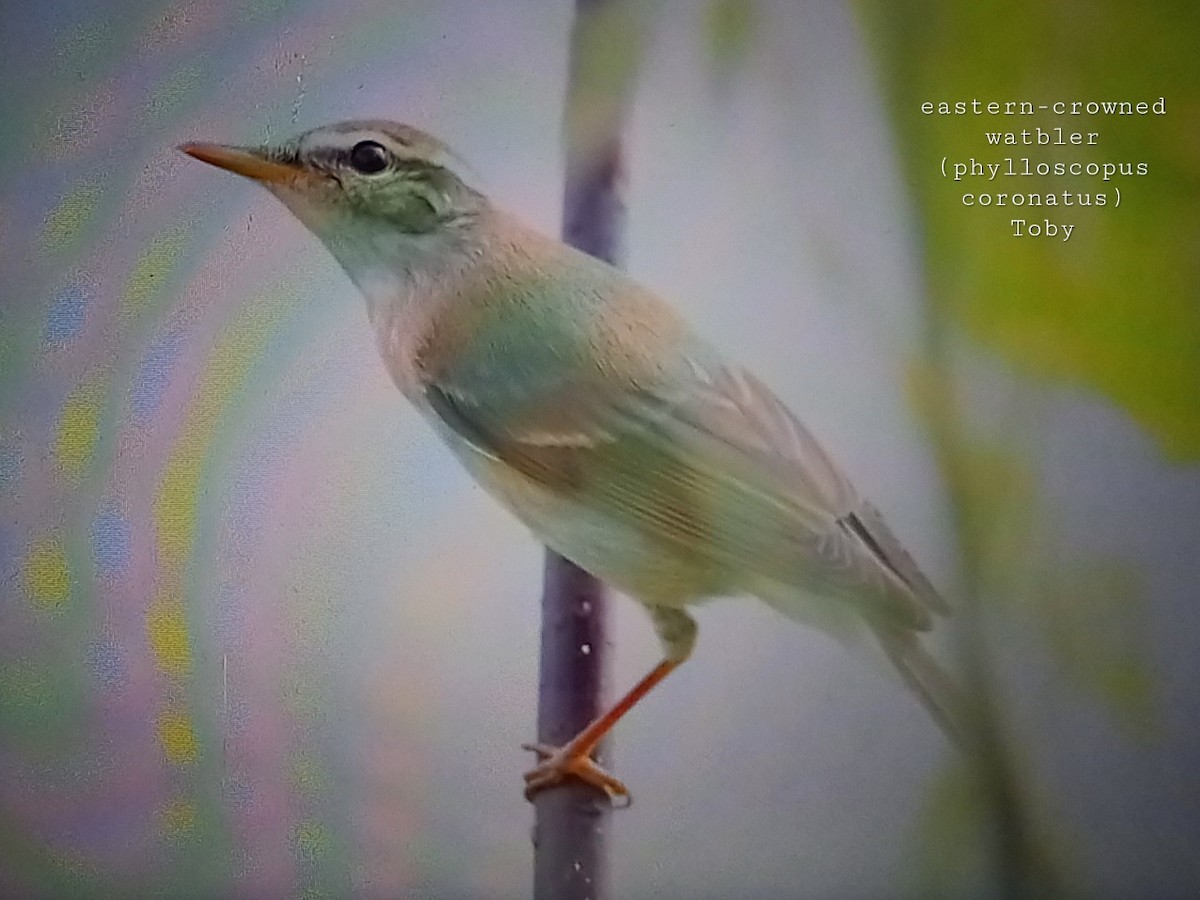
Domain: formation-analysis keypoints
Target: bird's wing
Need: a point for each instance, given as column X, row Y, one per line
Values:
column 710, row 463
column 745, row 406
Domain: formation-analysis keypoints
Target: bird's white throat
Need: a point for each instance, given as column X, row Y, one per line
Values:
column 406, row 280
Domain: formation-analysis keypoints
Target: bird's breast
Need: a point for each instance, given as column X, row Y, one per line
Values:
column 404, row 316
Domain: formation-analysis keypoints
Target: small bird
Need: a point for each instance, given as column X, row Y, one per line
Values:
column 586, row 405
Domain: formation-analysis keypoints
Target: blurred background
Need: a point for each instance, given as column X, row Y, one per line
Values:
column 260, row 637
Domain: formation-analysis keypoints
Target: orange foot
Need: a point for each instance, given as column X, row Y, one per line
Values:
column 556, row 764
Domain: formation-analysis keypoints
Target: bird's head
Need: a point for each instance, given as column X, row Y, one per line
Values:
column 378, row 194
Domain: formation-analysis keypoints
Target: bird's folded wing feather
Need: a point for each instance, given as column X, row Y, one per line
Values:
column 710, row 463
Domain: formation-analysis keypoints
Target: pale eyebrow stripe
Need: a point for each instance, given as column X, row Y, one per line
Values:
column 342, row 139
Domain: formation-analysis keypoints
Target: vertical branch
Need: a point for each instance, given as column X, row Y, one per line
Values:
column 570, row 843
column 572, row 819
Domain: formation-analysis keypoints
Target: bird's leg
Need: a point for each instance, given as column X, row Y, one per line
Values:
column 575, row 759
column 677, row 632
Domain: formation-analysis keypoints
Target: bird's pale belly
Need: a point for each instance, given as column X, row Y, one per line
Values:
column 624, row 557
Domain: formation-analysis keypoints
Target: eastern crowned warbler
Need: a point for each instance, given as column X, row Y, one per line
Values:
column 587, row 406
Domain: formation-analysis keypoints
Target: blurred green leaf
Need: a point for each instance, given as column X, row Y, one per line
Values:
column 952, row 837
column 1095, row 626
column 957, row 836
column 992, row 489
column 1089, row 614
column 730, row 26
column 1117, row 307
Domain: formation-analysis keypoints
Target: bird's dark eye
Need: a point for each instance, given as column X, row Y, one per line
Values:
column 369, row 157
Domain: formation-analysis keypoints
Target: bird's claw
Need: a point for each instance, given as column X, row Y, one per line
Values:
column 555, row 765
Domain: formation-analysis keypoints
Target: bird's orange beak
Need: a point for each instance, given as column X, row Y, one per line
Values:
column 243, row 162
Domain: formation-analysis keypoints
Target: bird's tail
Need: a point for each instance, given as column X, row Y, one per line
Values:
column 924, row 675
column 935, row 689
